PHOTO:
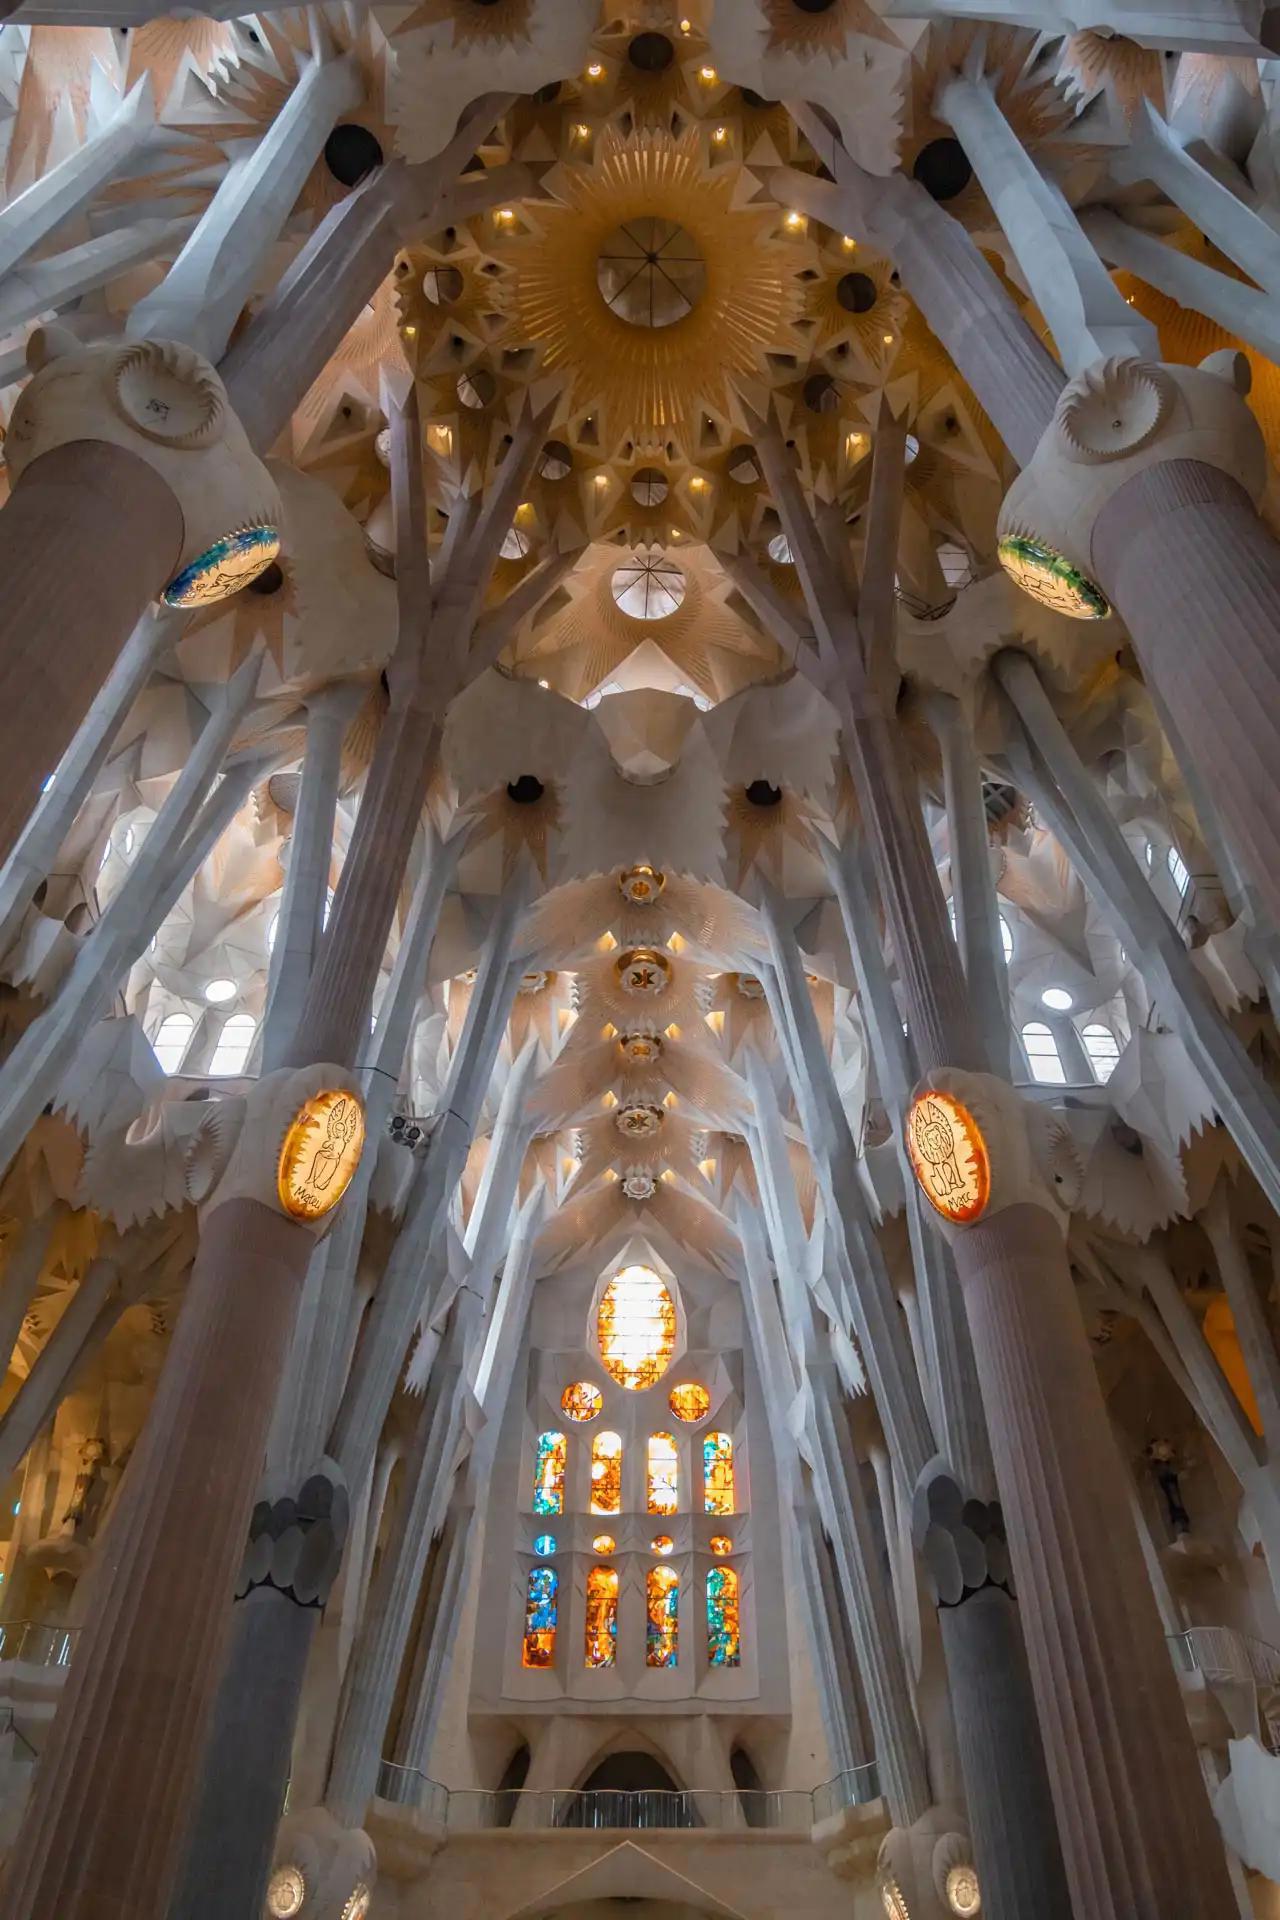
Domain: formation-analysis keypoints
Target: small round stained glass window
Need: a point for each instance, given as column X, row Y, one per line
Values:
column 689, row 1402
column 581, row 1400
column 662, row 1543
column 603, row 1543
column 648, row 587
column 721, row 1544
column 286, row 1892
column 545, row 1545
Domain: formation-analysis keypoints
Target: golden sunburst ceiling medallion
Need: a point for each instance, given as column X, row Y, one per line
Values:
column 650, row 283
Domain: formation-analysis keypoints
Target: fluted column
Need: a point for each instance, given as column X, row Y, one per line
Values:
column 1120, row 1752
column 973, row 894
column 73, row 566
column 84, row 1325
column 102, row 1836
column 1195, row 574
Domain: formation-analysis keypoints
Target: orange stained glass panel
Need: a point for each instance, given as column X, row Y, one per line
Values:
column 601, row 1648
column 663, row 1476
column 581, row 1400
column 606, row 1473
column 690, row 1402
column 636, row 1326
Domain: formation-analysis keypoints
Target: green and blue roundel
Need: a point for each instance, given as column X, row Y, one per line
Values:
column 223, row 568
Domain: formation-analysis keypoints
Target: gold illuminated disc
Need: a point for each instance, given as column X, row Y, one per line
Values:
column 948, row 1156
column 321, row 1151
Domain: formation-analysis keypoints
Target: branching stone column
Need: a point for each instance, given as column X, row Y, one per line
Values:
column 132, row 478
column 1138, row 1836
column 1143, row 493
column 977, row 916
column 114, row 1788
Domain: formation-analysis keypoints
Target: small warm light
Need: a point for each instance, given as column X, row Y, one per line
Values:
column 795, row 221
column 609, row 1031
column 440, row 438
column 888, row 339
column 666, row 1174
column 676, row 534
column 720, row 135
column 595, row 70
column 602, row 479
column 606, row 943
column 676, row 943
column 544, row 684
column 849, row 243
column 854, row 443
column 411, row 333
column 610, row 1099
column 673, row 1031
column 686, row 26
column 582, row 131
column 707, row 1168
column 668, row 1100
column 698, row 483
column 715, row 1020
column 708, row 74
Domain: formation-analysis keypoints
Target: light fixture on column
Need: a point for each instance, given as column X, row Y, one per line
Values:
column 948, row 1156
column 320, row 1152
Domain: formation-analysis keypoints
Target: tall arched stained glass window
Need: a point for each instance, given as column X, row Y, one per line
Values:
column 548, row 1473
column 662, row 1634
column 606, row 1473
column 724, row 1633
column 717, row 1473
column 601, row 1649
column 663, row 1485
column 540, row 1618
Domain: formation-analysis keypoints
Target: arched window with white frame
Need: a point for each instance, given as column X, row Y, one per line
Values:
column 1042, row 1054
column 172, row 1038
column 234, row 1042
column 1102, row 1048
column 1179, row 871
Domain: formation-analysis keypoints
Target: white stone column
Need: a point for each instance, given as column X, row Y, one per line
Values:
column 202, row 295
column 1241, row 309
column 85, row 1324
column 1155, row 152
column 306, row 881
column 1046, row 764
column 973, row 893
column 70, row 784
column 1086, row 315
column 65, row 190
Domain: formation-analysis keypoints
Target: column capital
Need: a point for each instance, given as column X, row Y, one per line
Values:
column 927, row 1869
column 1116, row 419
column 166, row 405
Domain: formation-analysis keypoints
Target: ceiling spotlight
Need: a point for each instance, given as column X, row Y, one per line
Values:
column 544, row 684
column 218, row 992
column 1057, row 999
column 720, row 135
column 888, row 339
column 595, row 70
column 708, row 74
column 795, row 221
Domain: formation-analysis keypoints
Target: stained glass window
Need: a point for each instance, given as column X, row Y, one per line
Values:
column 663, row 1474
column 690, row 1402
column 717, row 1473
column 548, row 1473
column 545, row 1545
column 661, row 1543
column 581, row 1401
column 603, row 1543
column 602, row 1617
column 662, row 1587
column 636, row 1324
column 606, row 1473
column 721, row 1543
column 540, row 1618
column 724, row 1638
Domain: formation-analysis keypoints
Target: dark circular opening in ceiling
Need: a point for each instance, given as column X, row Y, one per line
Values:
column 763, row 793
column 270, row 580
column 942, row 168
column 350, row 153
column 649, row 487
column 526, row 790
column 651, row 53
column 856, row 292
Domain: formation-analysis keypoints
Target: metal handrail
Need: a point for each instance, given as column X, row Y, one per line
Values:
column 1224, row 1653
column 480, row 1809
column 38, row 1643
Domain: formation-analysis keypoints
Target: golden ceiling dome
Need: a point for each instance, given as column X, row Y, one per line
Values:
column 643, row 970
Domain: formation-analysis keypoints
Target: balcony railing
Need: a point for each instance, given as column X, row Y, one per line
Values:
column 1220, row 1653
column 477, row 1810
column 37, row 1644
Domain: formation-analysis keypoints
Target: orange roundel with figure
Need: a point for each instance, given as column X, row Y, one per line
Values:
column 948, row 1156
column 321, row 1151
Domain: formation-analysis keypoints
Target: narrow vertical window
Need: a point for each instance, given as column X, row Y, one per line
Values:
column 724, row 1636
column 540, row 1618
column 548, row 1473
column 663, row 1631
column 606, row 1473
column 717, row 1473
column 1179, row 871
column 1103, row 1050
column 602, row 1617
column 234, row 1045
column 663, row 1474
column 172, row 1040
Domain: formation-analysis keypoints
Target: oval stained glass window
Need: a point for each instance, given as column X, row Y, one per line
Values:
column 721, row 1544
column 581, row 1400
column 661, row 1543
column 636, row 1327
column 689, row 1402
column 603, row 1543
